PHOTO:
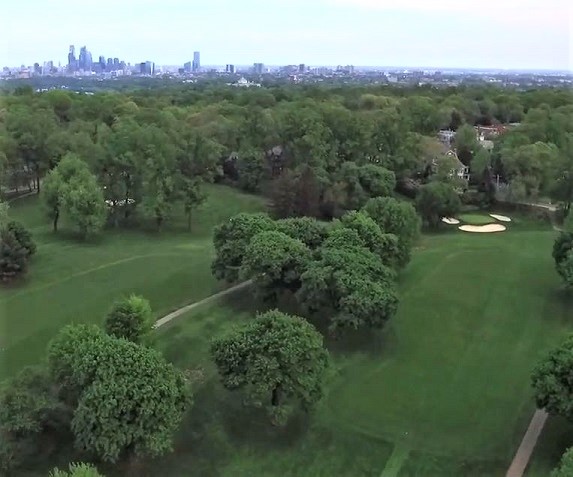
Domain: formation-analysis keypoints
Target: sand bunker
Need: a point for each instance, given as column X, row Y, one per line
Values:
column 501, row 218
column 489, row 228
column 450, row 221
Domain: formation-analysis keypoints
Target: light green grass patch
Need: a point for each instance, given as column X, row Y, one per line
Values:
column 476, row 219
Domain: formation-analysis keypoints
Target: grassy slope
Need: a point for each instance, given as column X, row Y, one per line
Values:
column 448, row 381
column 70, row 281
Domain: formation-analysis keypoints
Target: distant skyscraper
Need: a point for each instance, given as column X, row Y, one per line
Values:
column 187, row 67
column 72, row 62
column 85, row 60
column 102, row 62
column 230, row 69
column 147, row 68
column 196, row 61
column 258, row 68
column 109, row 65
column 301, row 68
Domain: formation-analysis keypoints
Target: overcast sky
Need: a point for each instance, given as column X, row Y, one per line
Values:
column 535, row 34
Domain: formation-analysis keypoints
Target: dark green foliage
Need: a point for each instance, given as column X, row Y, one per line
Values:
column 127, row 399
column 563, row 256
column 309, row 231
column 13, row 257
column 251, row 169
column 551, row 380
column 399, row 218
column 23, row 236
column 130, row 318
column 28, row 407
column 231, row 240
column 277, row 360
column 384, row 245
column 377, row 181
column 565, row 468
column 436, row 200
column 275, row 262
column 350, row 284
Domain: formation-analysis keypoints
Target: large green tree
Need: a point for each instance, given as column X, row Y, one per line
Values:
column 551, row 380
column 436, row 200
column 349, row 284
column 385, row 245
column 126, row 399
column 275, row 262
column 231, row 240
column 563, row 256
column 29, row 409
column 396, row 217
column 277, row 359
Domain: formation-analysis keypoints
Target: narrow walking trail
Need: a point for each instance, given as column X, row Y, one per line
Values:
column 396, row 460
column 523, row 454
column 175, row 314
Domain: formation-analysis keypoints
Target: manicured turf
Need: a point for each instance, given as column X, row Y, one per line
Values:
column 476, row 219
column 70, row 281
column 444, row 390
column 446, row 385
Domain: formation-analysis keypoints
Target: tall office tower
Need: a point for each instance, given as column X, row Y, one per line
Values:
column 258, row 68
column 102, row 62
column 301, row 68
column 196, row 61
column 72, row 62
column 116, row 63
column 109, row 66
column 230, row 69
column 187, row 67
column 83, row 58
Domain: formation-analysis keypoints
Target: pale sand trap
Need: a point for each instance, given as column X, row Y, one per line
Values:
column 501, row 218
column 450, row 221
column 489, row 228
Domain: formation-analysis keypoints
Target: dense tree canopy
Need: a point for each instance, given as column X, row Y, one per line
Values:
column 396, row 217
column 130, row 318
column 277, row 359
column 275, row 262
column 126, row 399
column 436, row 200
column 552, row 385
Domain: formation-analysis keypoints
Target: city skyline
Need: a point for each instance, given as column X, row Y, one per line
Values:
column 509, row 34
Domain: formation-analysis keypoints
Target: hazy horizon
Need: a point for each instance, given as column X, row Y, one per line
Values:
column 504, row 35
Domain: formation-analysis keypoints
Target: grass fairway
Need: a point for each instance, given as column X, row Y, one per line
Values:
column 70, row 281
column 445, row 387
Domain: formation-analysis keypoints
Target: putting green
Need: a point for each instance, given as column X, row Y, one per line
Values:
column 476, row 219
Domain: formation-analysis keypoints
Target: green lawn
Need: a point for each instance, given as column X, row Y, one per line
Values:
column 443, row 391
column 70, row 281
column 445, row 386
column 476, row 219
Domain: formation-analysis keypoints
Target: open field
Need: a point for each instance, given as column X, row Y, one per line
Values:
column 445, row 387
column 70, row 281
column 443, row 391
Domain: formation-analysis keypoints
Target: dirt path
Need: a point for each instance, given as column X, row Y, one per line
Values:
column 523, row 454
column 175, row 314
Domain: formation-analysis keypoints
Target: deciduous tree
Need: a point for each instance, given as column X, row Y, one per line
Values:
column 436, row 200
column 126, row 399
column 275, row 262
column 231, row 240
column 277, row 359
column 399, row 218
column 552, row 387
column 130, row 318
